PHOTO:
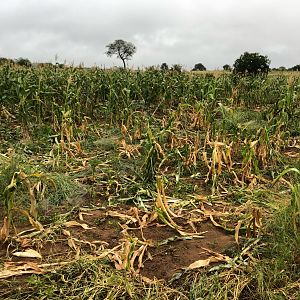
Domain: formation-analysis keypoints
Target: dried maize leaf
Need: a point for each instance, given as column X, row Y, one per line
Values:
column 29, row 253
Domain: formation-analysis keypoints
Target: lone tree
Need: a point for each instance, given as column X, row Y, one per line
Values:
column 164, row 67
column 176, row 68
column 124, row 50
column 282, row 68
column 199, row 67
column 25, row 62
column 252, row 64
column 227, row 67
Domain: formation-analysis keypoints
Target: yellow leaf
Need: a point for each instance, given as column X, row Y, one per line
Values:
column 77, row 256
column 121, row 216
column 236, row 231
column 66, row 232
column 80, row 215
column 30, row 253
column 76, row 224
column 199, row 264
column 71, row 243
column 34, row 267
column 16, row 270
column 205, row 262
column 4, row 232
column 214, row 222
column 25, row 243
column 36, row 224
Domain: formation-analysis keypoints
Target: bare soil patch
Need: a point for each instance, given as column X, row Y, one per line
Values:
column 95, row 231
column 179, row 254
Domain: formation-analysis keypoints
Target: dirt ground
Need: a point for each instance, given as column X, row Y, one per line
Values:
column 160, row 250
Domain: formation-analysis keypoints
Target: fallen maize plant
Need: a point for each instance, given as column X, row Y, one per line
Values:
column 165, row 185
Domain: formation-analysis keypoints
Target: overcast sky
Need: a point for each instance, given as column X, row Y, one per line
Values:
column 187, row 32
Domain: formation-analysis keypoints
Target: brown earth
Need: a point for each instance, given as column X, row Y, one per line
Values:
column 174, row 256
column 168, row 251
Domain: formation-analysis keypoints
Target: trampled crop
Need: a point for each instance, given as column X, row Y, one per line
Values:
column 120, row 170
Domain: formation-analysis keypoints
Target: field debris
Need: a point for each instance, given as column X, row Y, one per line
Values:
column 148, row 183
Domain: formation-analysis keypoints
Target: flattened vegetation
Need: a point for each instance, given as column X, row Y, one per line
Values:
column 131, row 239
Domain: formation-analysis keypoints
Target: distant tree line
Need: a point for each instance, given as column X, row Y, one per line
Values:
column 20, row 61
column 247, row 64
column 25, row 62
column 282, row 68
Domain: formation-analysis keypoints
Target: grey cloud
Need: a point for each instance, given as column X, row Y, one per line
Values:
column 186, row 32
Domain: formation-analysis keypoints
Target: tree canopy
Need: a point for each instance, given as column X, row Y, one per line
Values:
column 295, row 68
column 4, row 60
column 252, row 64
column 176, row 68
column 227, row 67
column 122, row 49
column 164, row 66
column 199, row 67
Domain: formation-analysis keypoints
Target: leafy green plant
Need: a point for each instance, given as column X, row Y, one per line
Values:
column 295, row 188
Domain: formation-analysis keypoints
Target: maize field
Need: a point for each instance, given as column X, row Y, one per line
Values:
column 148, row 184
